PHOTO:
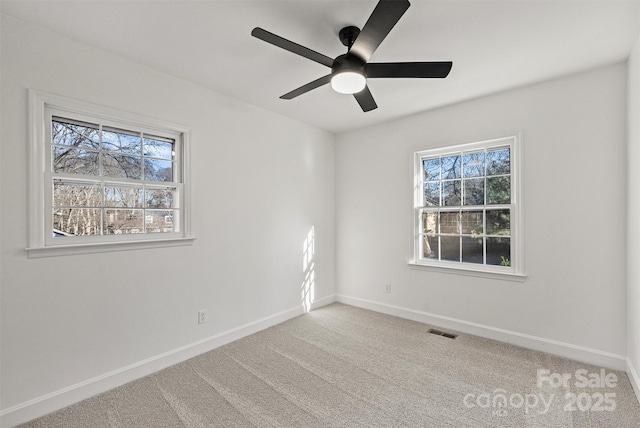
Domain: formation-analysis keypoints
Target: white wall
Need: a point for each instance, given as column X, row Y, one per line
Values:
column 260, row 182
column 633, row 214
column 574, row 142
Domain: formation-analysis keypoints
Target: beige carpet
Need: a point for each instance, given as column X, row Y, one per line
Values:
column 347, row 367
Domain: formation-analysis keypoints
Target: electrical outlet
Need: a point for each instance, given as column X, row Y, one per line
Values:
column 387, row 288
column 202, row 316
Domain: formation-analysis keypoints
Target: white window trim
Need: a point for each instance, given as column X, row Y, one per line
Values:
column 515, row 272
column 38, row 178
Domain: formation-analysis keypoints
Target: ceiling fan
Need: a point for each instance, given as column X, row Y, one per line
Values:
column 350, row 71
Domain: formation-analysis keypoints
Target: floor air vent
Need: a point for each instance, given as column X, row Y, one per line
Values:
column 442, row 333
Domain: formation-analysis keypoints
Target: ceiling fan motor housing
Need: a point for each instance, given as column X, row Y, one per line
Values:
column 348, row 62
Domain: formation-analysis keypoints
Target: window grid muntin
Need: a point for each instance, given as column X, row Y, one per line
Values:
column 462, row 207
column 102, row 128
column 105, row 181
column 459, row 211
column 104, row 206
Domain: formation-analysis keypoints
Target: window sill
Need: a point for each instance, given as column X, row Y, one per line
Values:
column 103, row 247
column 505, row 276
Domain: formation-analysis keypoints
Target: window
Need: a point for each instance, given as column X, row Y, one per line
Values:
column 466, row 209
column 103, row 179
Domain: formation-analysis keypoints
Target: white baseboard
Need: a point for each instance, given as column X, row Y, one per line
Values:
column 72, row 394
column 633, row 378
column 332, row 298
column 566, row 350
column 56, row 400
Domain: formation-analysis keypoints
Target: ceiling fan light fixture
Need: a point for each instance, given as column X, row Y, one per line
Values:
column 348, row 82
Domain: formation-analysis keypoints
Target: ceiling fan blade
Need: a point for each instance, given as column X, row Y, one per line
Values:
column 408, row 69
column 291, row 46
column 308, row 87
column 383, row 18
column 365, row 99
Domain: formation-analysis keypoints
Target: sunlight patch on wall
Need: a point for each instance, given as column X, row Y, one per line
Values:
column 308, row 265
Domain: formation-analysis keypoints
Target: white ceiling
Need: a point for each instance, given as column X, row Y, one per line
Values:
column 494, row 45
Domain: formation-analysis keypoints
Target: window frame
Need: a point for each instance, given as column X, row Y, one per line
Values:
column 41, row 243
column 516, row 270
